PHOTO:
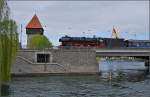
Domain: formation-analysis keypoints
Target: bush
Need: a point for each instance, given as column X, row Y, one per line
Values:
column 39, row 42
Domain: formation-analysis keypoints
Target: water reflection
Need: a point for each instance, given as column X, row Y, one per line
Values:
column 5, row 90
column 123, row 70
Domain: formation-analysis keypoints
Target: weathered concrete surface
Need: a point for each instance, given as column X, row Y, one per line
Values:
column 123, row 52
column 82, row 61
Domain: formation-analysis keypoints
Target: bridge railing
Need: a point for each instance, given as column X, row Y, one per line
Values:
column 93, row 48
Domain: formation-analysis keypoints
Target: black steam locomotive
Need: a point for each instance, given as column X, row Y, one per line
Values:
column 99, row 42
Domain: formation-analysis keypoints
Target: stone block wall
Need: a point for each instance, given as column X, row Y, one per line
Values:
column 61, row 61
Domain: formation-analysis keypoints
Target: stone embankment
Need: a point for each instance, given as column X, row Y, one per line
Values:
column 58, row 61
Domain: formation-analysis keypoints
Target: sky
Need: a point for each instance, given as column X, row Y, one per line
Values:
column 84, row 18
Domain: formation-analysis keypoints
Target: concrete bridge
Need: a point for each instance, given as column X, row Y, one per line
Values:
column 143, row 52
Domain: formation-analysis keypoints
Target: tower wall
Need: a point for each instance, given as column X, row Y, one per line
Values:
column 33, row 28
column 32, row 32
column 35, row 31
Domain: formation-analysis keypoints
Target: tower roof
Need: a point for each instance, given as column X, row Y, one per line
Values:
column 34, row 23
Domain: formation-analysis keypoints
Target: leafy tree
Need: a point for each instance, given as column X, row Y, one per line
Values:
column 8, row 44
column 8, row 48
column 39, row 42
column 4, row 10
column 1, row 7
column 1, row 13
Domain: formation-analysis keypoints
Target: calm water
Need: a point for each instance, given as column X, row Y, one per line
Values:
column 118, row 79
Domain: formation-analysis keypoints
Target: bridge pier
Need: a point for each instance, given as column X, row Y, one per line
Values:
column 149, row 65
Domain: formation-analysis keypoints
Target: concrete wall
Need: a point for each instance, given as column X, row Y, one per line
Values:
column 61, row 61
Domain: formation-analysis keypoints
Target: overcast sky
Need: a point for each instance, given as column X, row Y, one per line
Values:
column 59, row 18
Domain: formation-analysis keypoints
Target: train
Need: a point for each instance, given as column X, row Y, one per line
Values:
column 138, row 43
column 100, row 42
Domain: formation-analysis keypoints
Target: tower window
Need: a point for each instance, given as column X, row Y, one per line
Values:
column 43, row 58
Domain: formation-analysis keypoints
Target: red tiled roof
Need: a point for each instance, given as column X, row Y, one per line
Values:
column 34, row 23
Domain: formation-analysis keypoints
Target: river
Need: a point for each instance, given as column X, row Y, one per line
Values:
column 117, row 79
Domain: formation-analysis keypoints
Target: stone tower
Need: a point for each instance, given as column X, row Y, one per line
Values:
column 34, row 27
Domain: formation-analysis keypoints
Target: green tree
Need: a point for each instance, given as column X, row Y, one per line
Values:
column 8, row 48
column 4, row 10
column 1, row 7
column 1, row 13
column 39, row 42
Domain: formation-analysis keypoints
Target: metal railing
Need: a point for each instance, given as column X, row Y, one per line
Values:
column 94, row 48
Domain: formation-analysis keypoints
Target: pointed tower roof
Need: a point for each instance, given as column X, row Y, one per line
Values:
column 34, row 23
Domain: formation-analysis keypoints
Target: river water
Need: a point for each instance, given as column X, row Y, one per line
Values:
column 117, row 79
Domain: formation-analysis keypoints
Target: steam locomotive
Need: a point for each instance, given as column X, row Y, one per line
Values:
column 99, row 42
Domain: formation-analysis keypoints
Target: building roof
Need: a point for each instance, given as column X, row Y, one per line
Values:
column 34, row 23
